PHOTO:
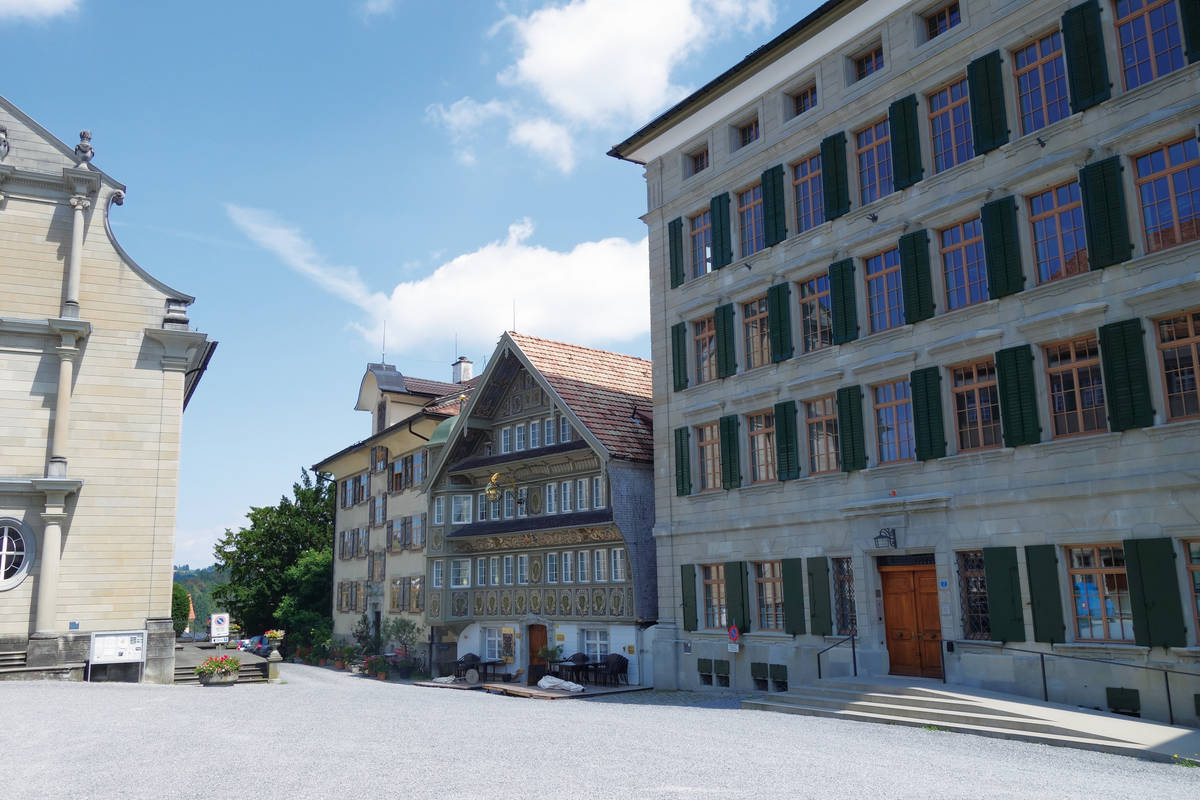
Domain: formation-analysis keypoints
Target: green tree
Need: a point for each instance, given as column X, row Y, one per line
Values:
column 257, row 558
column 304, row 608
column 179, row 607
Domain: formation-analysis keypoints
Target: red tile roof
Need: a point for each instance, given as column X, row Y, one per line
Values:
column 611, row 393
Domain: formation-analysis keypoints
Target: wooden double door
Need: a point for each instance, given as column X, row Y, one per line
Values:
column 912, row 620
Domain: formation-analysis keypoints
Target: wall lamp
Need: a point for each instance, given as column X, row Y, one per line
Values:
column 885, row 538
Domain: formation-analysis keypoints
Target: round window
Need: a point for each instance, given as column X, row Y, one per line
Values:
column 16, row 553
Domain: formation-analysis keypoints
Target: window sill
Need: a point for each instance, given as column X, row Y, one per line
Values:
column 1099, row 649
column 1170, row 430
column 1076, row 444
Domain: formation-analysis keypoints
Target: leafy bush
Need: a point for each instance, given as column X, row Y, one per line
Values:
column 179, row 607
column 375, row 665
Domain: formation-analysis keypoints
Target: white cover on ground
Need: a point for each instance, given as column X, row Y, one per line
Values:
column 551, row 682
column 445, row 679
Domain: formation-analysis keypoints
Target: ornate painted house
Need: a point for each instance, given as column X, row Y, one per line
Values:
column 380, row 521
column 97, row 363
column 541, row 509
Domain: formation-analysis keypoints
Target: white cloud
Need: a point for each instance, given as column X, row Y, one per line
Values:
column 594, row 64
column 270, row 233
column 372, row 8
column 547, row 139
column 595, row 294
column 36, row 9
column 604, row 61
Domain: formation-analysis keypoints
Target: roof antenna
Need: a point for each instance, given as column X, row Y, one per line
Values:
column 514, row 327
column 383, row 352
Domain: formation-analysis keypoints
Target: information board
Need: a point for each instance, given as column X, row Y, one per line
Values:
column 118, row 647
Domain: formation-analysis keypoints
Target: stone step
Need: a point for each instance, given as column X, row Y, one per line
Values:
column 936, row 712
column 1072, row 739
column 12, row 658
column 944, row 702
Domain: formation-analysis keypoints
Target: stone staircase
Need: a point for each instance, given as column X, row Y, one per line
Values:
column 12, row 658
column 249, row 673
column 958, row 710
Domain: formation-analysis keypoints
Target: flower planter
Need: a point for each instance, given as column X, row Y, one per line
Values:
column 219, row 679
column 322, row 662
column 339, row 665
column 381, row 676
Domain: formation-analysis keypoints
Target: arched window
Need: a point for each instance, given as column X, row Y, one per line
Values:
column 16, row 552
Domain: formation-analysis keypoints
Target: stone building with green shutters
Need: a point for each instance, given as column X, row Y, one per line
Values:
column 925, row 331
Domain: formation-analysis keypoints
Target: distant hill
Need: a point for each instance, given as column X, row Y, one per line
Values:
column 200, row 583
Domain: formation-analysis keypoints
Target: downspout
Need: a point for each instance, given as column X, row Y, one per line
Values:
column 414, row 433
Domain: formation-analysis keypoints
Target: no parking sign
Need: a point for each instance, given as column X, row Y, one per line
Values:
column 219, row 624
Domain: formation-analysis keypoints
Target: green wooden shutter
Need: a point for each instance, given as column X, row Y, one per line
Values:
column 834, row 181
column 793, row 595
column 787, row 449
column 679, row 355
column 985, row 84
column 1003, row 582
column 779, row 321
column 916, row 284
column 1001, row 247
column 687, row 582
column 1018, row 396
column 1126, row 382
column 818, row 595
column 850, row 428
column 737, row 602
column 731, row 468
column 774, row 213
column 928, row 429
column 683, row 462
column 1154, row 593
column 842, row 303
column 906, row 142
column 723, row 323
column 675, row 247
column 1189, row 19
column 722, row 238
column 1045, row 599
column 1087, row 68
column 1104, row 217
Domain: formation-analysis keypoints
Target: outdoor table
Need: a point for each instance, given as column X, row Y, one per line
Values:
column 485, row 668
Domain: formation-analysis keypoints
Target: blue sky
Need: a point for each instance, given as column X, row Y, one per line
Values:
column 313, row 170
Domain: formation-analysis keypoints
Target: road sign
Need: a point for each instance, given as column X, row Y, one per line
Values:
column 219, row 639
column 220, row 626
column 734, row 633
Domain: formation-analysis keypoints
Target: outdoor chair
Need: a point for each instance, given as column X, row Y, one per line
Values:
column 574, row 667
column 470, row 661
column 615, row 667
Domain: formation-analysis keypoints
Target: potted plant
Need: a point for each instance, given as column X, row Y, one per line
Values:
column 218, row 671
column 377, row 666
column 405, row 634
column 549, row 655
column 320, row 652
column 348, row 652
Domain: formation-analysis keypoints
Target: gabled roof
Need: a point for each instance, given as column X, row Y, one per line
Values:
column 390, row 380
column 610, row 393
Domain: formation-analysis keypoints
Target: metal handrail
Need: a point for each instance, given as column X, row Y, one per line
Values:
column 1167, row 673
column 853, row 654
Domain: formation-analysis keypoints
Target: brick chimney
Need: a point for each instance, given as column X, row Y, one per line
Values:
column 462, row 369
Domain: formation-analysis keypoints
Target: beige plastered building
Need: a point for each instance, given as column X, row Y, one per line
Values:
column 97, row 362
column 924, row 306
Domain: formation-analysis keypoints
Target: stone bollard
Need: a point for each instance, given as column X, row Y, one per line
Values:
column 273, row 663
